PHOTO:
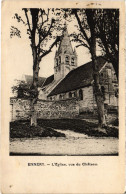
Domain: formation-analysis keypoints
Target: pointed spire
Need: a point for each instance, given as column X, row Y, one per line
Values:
column 65, row 42
column 65, row 31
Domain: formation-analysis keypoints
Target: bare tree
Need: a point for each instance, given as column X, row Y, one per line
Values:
column 40, row 27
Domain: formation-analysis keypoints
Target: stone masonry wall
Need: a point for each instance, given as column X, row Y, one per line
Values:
column 88, row 102
column 20, row 109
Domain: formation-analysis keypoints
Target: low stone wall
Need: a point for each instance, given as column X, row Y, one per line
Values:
column 20, row 109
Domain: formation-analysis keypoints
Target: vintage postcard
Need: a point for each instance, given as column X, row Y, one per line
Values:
column 63, row 97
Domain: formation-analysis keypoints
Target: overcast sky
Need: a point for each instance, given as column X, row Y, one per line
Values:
column 21, row 55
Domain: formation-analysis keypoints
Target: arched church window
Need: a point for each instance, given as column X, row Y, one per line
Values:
column 67, row 59
column 60, row 96
column 103, row 89
column 75, row 94
column 70, row 95
column 72, row 61
column 80, row 94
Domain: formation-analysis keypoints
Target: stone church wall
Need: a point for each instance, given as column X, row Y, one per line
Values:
column 88, row 102
column 20, row 109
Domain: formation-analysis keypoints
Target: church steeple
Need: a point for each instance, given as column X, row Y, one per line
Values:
column 65, row 44
column 65, row 58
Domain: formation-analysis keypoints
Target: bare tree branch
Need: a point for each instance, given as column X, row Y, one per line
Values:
column 50, row 49
column 47, row 16
column 80, row 25
column 25, row 10
column 79, row 38
column 44, row 36
column 82, row 45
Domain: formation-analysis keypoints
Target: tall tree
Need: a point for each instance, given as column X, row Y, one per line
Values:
column 99, row 27
column 108, row 35
column 40, row 30
column 87, row 38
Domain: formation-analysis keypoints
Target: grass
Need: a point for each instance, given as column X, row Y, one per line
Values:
column 20, row 129
column 80, row 126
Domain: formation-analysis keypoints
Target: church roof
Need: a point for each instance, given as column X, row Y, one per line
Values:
column 48, row 80
column 29, row 79
column 65, row 43
column 77, row 78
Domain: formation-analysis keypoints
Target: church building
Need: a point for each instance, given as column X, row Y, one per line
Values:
column 71, row 81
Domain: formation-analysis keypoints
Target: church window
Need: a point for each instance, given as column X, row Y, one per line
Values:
column 70, row 95
column 67, row 59
column 60, row 96
column 80, row 94
column 72, row 61
column 103, row 89
column 63, row 96
column 75, row 94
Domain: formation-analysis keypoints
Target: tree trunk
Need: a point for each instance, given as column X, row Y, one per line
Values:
column 99, row 96
column 33, row 114
column 97, row 88
column 100, row 109
column 34, row 87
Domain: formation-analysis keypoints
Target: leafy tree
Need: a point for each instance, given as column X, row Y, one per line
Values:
column 86, row 37
column 22, row 89
column 98, row 27
column 41, row 25
column 108, row 35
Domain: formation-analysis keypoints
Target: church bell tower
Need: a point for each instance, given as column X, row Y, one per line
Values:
column 65, row 58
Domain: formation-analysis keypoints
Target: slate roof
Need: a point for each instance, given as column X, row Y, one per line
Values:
column 29, row 79
column 48, row 80
column 77, row 78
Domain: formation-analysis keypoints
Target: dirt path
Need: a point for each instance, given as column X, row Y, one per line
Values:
column 73, row 144
column 70, row 133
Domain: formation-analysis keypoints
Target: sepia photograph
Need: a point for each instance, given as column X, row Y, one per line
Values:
column 64, row 95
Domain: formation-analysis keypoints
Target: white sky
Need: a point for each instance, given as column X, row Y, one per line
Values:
column 21, row 55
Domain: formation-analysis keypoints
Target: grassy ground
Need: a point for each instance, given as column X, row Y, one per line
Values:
column 19, row 129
